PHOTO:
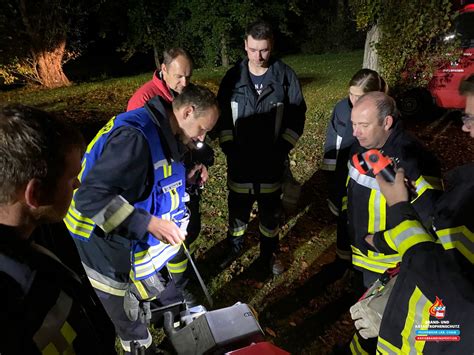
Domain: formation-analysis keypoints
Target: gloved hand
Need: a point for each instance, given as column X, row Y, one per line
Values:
column 136, row 309
column 367, row 320
column 136, row 302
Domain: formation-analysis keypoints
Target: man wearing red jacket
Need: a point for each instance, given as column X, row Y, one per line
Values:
column 174, row 76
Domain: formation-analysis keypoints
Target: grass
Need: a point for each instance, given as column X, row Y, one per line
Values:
column 307, row 235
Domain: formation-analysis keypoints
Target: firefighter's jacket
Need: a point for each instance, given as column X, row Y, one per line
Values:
column 131, row 170
column 366, row 206
column 46, row 309
column 433, row 295
column 339, row 136
column 256, row 132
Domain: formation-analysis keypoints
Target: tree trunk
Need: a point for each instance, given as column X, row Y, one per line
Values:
column 371, row 58
column 50, row 66
column 224, row 53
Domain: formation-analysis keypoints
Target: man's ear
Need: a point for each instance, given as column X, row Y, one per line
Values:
column 388, row 122
column 163, row 68
column 187, row 111
column 33, row 193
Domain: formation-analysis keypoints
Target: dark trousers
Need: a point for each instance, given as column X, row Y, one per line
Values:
column 269, row 211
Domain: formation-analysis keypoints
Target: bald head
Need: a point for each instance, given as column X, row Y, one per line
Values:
column 373, row 116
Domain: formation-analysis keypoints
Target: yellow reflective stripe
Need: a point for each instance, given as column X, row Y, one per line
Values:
column 240, row 187
column 388, row 240
column 267, row 232
column 407, row 234
column 371, row 210
column 238, row 231
column 460, row 238
column 417, row 319
column 68, row 333
column 106, row 288
column 344, row 203
column 156, row 263
column 77, row 215
column 50, row 349
column 80, row 224
column 141, row 290
column 226, row 136
column 424, row 183
column 375, row 262
column 289, row 137
column 105, row 129
column 174, row 199
column 177, row 268
column 355, row 346
column 384, row 347
column 269, row 188
column 329, row 165
column 117, row 218
column 76, row 229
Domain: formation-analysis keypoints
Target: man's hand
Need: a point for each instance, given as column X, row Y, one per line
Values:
column 166, row 231
column 394, row 192
column 198, row 175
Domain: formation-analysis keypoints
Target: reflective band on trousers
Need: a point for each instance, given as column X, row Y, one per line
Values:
column 267, row 232
column 177, row 268
column 460, row 238
column 290, row 136
column 249, row 188
column 329, row 165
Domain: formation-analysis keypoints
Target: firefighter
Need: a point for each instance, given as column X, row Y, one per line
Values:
column 435, row 287
column 263, row 115
column 128, row 218
column 174, row 75
column 339, row 139
column 46, row 308
column 376, row 124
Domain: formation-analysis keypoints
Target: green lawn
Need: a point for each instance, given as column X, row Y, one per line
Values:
column 324, row 79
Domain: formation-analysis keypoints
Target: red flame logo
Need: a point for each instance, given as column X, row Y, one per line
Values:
column 438, row 309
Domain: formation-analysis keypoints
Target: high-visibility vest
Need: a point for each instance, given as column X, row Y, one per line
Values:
column 164, row 201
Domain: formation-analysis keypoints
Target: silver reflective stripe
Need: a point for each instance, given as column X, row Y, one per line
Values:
column 53, row 323
column 278, row 119
column 329, row 164
column 113, row 214
column 378, row 221
column 361, row 179
column 383, row 347
column 338, row 142
column 143, row 342
column 160, row 163
column 457, row 237
column 234, row 106
column 407, row 234
column 105, row 283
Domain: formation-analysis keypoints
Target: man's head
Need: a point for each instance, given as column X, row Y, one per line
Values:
column 196, row 111
column 467, row 89
column 373, row 117
column 177, row 68
column 259, row 43
column 40, row 160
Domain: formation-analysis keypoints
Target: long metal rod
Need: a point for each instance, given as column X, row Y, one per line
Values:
column 201, row 281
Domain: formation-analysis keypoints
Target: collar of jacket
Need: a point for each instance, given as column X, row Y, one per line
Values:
column 165, row 91
column 276, row 73
column 172, row 147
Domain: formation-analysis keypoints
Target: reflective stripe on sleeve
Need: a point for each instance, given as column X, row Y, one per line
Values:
column 226, row 136
column 460, row 238
column 105, row 283
column 384, row 347
column 375, row 262
column 355, row 346
column 417, row 318
column 113, row 214
column 407, row 234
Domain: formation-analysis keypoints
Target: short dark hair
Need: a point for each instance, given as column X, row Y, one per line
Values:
column 259, row 30
column 171, row 54
column 467, row 86
column 198, row 96
column 33, row 144
column 369, row 80
column 385, row 105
